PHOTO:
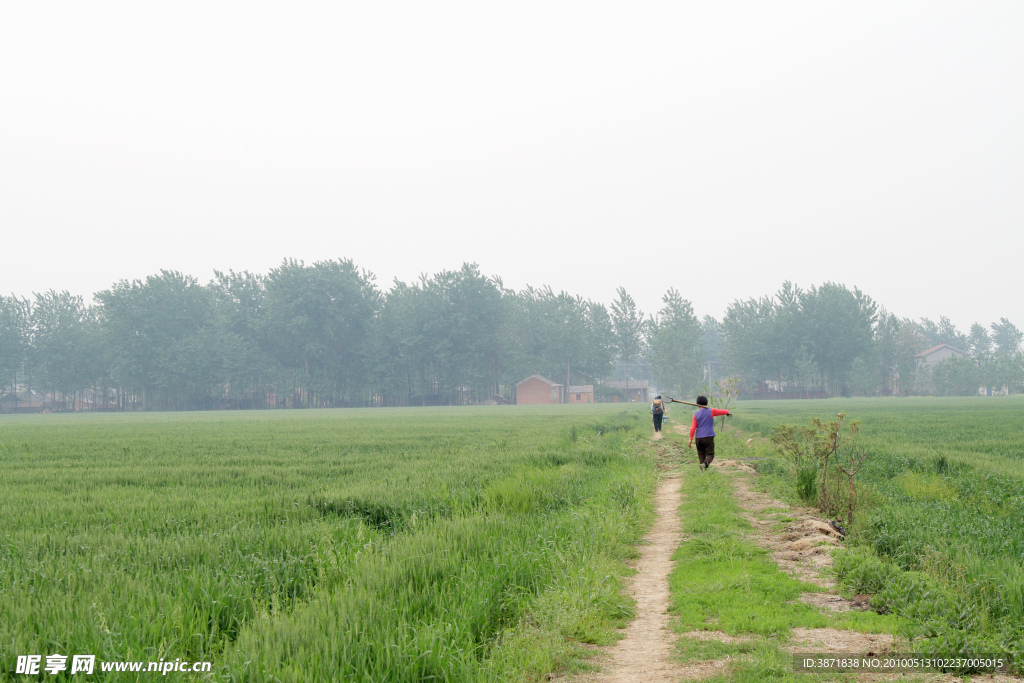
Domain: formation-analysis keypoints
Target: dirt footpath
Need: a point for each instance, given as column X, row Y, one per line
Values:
column 644, row 654
column 800, row 542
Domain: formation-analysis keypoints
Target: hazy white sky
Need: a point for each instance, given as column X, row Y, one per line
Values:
column 719, row 148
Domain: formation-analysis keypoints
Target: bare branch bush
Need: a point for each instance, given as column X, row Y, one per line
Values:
column 812, row 448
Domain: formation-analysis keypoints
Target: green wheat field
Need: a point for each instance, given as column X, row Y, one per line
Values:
column 459, row 544
column 452, row 544
column 939, row 536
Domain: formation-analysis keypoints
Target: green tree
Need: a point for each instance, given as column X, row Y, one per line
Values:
column 60, row 346
column 143, row 321
column 676, row 352
column 245, row 363
column 443, row 339
column 628, row 325
column 748, row 341
column 979, row 343
column 1006, row 337
column 316, row 321
column 886, row 334
column 464, row 332
column 788, row 331
column 862, row 377
column 1007, row 372
column 560, row 336
column 957, row 376
column 711, row 342
column 944, row 332
column 910, row 341
column 599, row 345
column 15, row 313
column 805, row 371
column 839, row 328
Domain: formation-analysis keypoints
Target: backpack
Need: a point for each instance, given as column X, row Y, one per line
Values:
column 658, row 408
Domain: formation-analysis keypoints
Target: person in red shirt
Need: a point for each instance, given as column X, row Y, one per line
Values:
column 703, row 428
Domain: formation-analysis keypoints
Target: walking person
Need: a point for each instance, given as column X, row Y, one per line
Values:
column 703, row 428
column 658, row 412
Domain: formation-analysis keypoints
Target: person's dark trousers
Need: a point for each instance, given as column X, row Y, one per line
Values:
column 657, row 422
column 705, row 450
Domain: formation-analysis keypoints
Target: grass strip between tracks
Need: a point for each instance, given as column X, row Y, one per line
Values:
column 724, row 582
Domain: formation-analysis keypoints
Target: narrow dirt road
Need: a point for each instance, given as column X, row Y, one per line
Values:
column 800, row 543
column 644, row 653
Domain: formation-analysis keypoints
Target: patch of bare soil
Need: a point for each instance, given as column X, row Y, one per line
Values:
column 719, row 636
column 644, row 653
column 830, row 640
column 804, row 543
column 801, row 543
column 680, row 428
column 830, row 602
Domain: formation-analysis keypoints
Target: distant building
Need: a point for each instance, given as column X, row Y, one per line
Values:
column 539, row 390
column 937, row 354
column 24, row 402
column 583, row 393
column 635, row 389
column 927, row 360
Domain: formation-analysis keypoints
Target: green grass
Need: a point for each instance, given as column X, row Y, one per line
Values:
column 723, row 581
column 463, row 544
column 942, row 500
column 983, row 433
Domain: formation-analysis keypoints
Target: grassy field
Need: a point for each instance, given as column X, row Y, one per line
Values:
column 723, row 581
column 470, row 543
column 939, row 538
column 459, row 544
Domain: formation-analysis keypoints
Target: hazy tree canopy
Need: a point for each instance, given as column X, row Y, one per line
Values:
column 887, row 351
column 838, row 324
column 325, row 335
column 749, row 339
column 61, row 354
column 142, row 323
column 675, row 349
column 316, row 320
column 944, row 332
column 1007, row 337
column 979, row 342
column 14, row 336
column 711, row 340
column 798, row 335
column 628, row 324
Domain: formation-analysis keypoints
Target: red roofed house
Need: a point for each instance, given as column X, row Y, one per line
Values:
column 538, row 390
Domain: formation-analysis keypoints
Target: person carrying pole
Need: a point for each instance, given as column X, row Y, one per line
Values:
column 703, row 428
column 658, row 412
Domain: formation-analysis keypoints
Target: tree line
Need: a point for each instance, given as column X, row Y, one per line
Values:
column 830, row 340
column 325, row 335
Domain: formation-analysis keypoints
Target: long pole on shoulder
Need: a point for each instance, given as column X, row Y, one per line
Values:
column 686, row 403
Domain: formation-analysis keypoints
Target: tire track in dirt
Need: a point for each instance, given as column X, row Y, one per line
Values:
column 803, row 549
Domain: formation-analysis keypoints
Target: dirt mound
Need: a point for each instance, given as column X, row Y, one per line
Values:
column 803, row 547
